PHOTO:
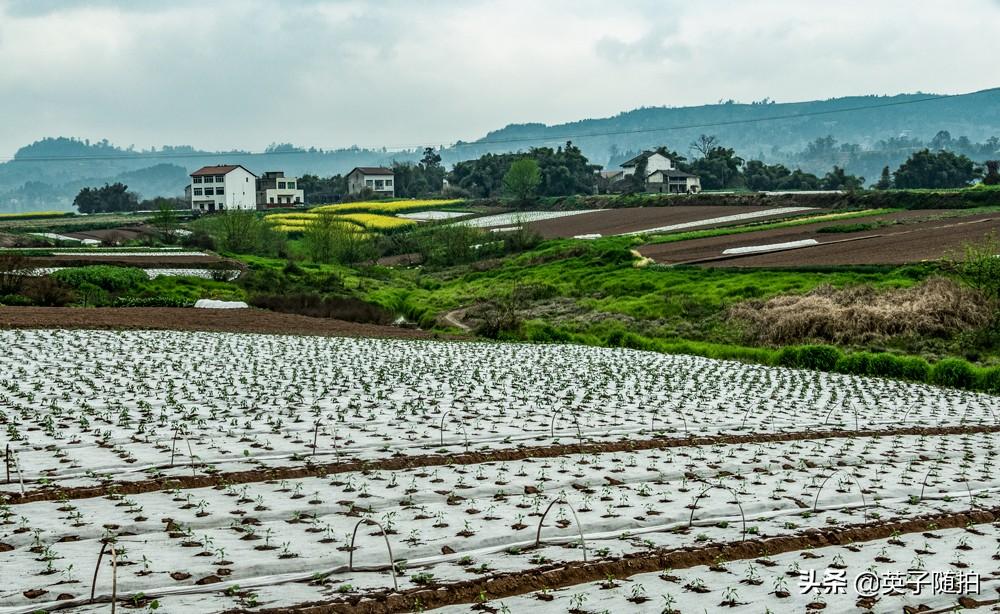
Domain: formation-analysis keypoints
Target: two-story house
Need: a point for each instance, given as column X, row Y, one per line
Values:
column 276, row 190
column 378, row 179
column 662, row 175
column 223, row 188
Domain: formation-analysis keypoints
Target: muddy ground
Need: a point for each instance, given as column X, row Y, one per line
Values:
column 618, row 221
column 917, row 236
column 211, row 320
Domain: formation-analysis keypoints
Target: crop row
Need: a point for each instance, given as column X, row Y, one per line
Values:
column 449, row 524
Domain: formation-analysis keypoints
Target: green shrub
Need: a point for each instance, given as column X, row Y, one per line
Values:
column 538, row 331
column 817, row 357
column 855, row 363
column 107, row 278
column 953, row 372
column 913, row 368
column 989, row 380
column 15, row 300
column 788, row 357
column 884, row 364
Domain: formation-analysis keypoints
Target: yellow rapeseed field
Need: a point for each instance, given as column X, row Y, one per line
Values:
column 297, row 222
column 381, row 206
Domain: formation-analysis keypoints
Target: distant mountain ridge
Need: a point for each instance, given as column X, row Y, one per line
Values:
column 863, row 141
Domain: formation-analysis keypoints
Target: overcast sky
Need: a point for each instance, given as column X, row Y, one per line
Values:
column 328, row 73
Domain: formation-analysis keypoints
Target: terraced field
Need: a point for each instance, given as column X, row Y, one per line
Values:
column 218, row 471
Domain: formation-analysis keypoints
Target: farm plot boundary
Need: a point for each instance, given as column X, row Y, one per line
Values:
column 559, row 576
column 468, row 458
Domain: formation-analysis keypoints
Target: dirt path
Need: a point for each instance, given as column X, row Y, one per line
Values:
column 208, row 320
column 452, row 319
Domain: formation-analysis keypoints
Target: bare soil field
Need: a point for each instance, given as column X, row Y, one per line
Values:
column 211, row 320
column 619, row 221
column 914, row 238
column 124, row 233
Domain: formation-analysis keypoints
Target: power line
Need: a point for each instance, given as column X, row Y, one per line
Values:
column 485, row 142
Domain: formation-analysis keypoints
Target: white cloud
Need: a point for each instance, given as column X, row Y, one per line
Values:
column 243, row 73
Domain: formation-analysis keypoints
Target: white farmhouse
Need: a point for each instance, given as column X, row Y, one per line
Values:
column 655, row 161
column 223, row 188
column 378, row 179
column 662, row 176
column 276, row 190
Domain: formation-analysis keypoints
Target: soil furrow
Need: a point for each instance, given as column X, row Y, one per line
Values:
column 53, row 493
column 570, row 574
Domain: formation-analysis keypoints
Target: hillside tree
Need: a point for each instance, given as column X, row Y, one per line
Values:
column 522, row 179
column 942, row 169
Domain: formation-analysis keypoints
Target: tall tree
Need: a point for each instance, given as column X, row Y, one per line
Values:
column 704, row 144
column 110, row 197
column 521, row 181
column 942, row 169
column 885, row 181
column 838, row 179
column 992, row 172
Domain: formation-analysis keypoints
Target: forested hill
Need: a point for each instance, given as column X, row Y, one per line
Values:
column 748, row 129
column 820, row 134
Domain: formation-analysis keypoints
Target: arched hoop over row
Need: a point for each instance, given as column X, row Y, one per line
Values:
column 441, row 430
column 579, row 528
column 857, row 422
column 743, row 517
column 114, row 573
column 652, row 420
column 923, row 485
column 864, row 502
column 350, row 550
column 576, row 420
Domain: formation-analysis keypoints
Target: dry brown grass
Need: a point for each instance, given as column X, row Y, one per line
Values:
column 939, row 307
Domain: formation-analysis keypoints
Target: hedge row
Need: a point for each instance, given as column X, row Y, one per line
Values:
column 862, row 199
column 952, row 372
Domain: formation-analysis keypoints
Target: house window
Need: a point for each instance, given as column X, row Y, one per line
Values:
column 197, row 191
column 379, row 184
column 388, row 183
column 281, row 185
column 369, row 183
column 196, row 179
column 271, row 200
column 219, row 191
column 291, row 185
column 220, row 178
column 209, row 191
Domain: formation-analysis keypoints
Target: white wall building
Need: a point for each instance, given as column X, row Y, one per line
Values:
column 655, row 161
column 276, row 190
column 223, row 188
column 378, row 179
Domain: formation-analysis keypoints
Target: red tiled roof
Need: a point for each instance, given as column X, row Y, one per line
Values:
column 372, row 170
column 221, row 169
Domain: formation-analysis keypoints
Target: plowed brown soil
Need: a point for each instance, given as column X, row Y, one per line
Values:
column 210, row 320
column 914, row 239
column 618, row 221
